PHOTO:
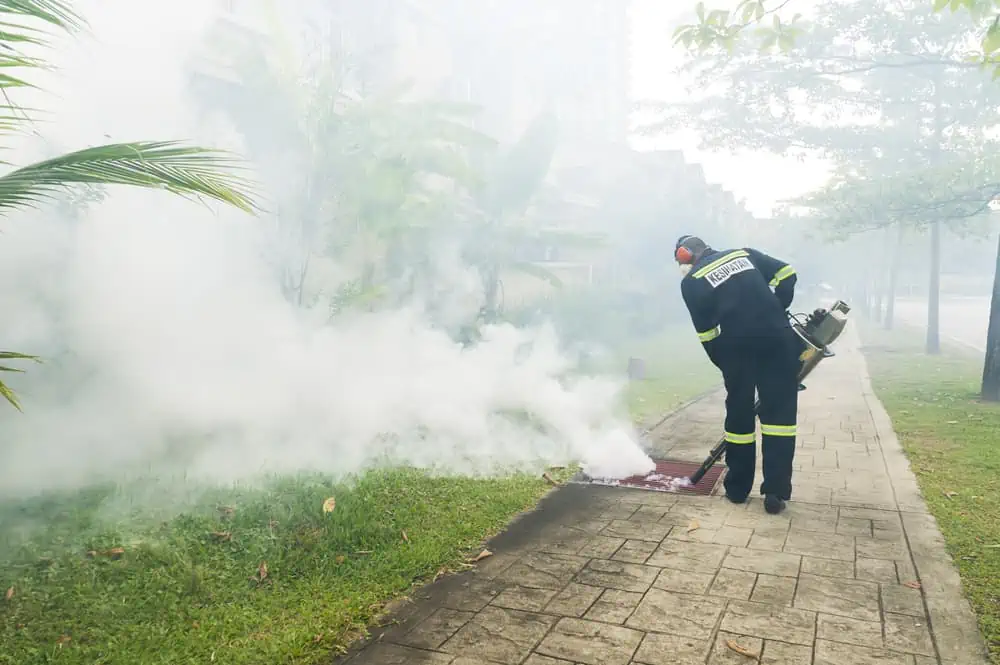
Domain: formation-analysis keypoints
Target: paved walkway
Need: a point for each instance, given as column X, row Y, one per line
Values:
column 854, row 572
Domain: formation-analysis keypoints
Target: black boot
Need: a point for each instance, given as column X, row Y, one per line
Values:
column 773, row 505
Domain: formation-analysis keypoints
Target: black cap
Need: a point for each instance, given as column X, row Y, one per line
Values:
column 694, row 244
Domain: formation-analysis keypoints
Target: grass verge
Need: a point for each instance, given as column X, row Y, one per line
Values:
column 255, row 576
column 262, row 576
column 951, row 440
column 677, row 369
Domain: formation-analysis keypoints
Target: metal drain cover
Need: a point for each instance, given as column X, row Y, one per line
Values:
column 664, row 478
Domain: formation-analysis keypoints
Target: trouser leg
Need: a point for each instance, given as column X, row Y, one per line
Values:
column 778, row 387
column 741, row 448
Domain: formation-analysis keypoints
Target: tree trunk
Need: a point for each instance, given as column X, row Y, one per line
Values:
column 934, row 293
column 890, row 298
column 877, row 300
column 991, row 368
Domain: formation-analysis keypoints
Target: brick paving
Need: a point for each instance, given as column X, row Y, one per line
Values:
column 854, row 572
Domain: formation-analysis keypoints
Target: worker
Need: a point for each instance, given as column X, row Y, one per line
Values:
column 738, row 301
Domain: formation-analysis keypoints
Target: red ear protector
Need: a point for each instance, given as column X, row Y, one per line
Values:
column 682, row 254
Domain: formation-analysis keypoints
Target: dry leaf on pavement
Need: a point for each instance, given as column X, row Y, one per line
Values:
column 742, row 650
column 482, row 555
column 693, row 526
column 329, row 505
column 912, row 585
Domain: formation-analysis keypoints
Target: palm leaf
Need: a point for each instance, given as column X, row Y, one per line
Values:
column 16, row 32
column 538, row 272
column 53, row 12
column 519, row 174
column 165, row 165
column 5, row 391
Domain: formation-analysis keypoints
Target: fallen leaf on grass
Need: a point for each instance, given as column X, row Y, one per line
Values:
column 693, row 526
column 329, row 505
column 742, row 650
column 950, row 494
column 63, row 640
column 222, row 536
column 317, row 639
column 406, row 538
column 912, row 585
column 549, row 479
column 113, row 553
column 340, row 559
column 9, row 594
column 482, row 555
column 261, row 573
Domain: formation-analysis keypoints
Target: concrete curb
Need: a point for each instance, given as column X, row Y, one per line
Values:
column 953, row 623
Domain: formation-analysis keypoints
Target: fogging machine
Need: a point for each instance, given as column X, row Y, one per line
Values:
column 816, row 332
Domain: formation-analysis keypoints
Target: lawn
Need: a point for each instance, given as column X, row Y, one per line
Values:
column 951, row 439
column 261, row 576
column 677, row 369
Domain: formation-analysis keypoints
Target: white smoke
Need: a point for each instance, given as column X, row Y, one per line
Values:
column 187, row 356
column 170, row 349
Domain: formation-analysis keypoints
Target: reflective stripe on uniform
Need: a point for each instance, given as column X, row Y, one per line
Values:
column 709, row 335
column 782, row 275
column 740, row 438
column 777, row 430
column 701, row 272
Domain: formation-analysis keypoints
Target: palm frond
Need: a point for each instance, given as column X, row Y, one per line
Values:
column 538, row 272
column 185, row 170
column 16, row 32
column 53, row 12
column 5, row 391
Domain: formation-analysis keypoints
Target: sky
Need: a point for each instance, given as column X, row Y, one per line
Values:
column 762, row 179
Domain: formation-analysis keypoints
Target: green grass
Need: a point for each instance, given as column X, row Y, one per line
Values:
column 186, row 587
column 677, row 369
column 180, row 594
column 953, row 443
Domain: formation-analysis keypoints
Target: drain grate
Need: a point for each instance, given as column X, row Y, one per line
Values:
column 664, row 478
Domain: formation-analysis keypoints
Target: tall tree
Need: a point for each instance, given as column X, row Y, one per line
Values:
column 769, row 23
column 184, row 170
column 874, row 86
column 352, row 175
column 961, row 195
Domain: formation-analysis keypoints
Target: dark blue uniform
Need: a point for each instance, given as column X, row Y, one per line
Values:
column 744, row 328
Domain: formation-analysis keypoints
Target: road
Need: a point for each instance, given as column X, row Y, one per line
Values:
column 963, row 320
